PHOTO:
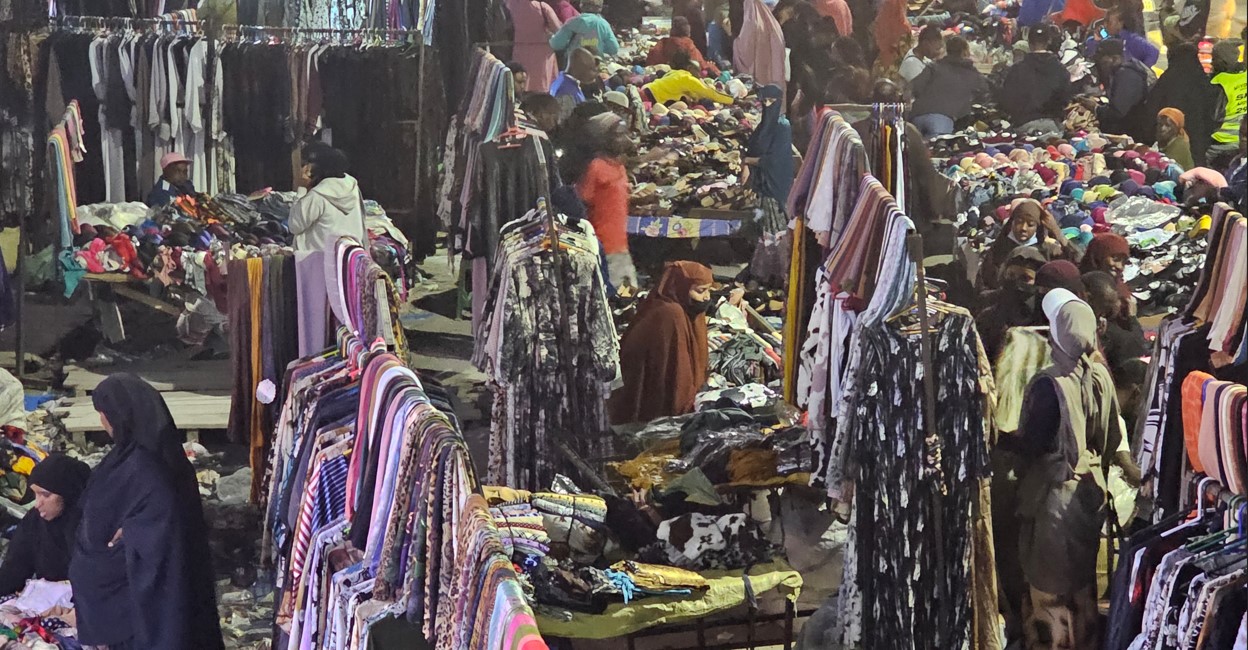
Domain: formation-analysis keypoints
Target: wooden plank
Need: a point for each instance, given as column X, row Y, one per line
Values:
column 191, row 411
column 144, row 299
column 165, row 374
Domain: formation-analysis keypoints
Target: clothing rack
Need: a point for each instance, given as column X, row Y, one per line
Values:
column 234, row 33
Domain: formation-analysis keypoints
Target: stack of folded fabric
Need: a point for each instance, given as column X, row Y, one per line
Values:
column 575, row 524
column 522, row 530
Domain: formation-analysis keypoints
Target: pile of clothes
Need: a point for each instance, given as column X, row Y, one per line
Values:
column 41, row 617
column 1090, row 184
column 695, row 160
column 580, row 552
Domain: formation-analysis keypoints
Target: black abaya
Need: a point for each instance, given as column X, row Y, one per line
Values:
column 154, row 587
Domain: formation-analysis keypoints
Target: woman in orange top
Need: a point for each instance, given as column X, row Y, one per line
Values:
column 679, row 41
column 603, row 187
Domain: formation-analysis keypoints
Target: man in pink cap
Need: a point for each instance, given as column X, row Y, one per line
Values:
column 175, row 180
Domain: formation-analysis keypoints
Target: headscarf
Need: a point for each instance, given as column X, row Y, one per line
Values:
column 759, row 47
column 62, row 475
column 1059, row 274
column 1178, row 118
column 139, row 416
column 1072, row 328
column 1102, row 247
column 664, row 353
column 772, row 143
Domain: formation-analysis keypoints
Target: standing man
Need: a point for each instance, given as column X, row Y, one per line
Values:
column 1037, row 89
column 1230, row 82
column 175, row 180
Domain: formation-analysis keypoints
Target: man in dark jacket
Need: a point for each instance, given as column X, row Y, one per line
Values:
column 1037, row 89
column 1126, row 83
column 945, row 92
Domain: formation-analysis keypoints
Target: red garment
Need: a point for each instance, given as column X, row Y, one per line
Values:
column 664, row 353
column 1084, row 12
column 666, row 48
column 838, row 11
column 604, row 189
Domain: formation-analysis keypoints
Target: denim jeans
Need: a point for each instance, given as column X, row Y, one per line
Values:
column 933, row 124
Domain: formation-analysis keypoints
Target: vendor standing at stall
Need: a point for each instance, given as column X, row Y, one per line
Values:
column 664, row 353
column 329, row 206
column 175, row 180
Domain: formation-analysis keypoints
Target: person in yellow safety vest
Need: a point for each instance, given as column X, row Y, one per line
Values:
column 1231, row 82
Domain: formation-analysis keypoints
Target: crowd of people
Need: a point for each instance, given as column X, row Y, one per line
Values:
column 130, row 534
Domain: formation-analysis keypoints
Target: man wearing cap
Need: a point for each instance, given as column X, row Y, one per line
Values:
column 1037, row 89
column 175, row 180
column 1126, row 82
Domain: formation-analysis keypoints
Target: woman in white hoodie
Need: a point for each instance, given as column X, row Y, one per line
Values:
column 329, row 206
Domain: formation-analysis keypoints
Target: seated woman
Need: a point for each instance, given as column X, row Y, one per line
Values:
column 679, row 41
column 664, row 353
column 41, row 546
column 1029, row 225
column 1172, row 138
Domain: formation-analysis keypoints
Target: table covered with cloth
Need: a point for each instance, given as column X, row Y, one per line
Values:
column 726, row 590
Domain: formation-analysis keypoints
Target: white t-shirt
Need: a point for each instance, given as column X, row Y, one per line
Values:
column 912, row 66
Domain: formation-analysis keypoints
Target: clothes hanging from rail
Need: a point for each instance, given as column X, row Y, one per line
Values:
column 145, row 93
column 371, row 517
column 1181, row 582
column 1208, row 337
column 915, row 494
column 364, row 99
column 263, row 321
column 548, row 344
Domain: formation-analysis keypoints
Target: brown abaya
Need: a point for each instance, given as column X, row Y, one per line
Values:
column 663, row 355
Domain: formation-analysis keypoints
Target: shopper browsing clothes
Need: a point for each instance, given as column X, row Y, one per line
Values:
column 663, row 354
column 40, row 547
column 329, row 206
column 175, row 180
column 1068, row 431
column 141, row 569
column 604, row 188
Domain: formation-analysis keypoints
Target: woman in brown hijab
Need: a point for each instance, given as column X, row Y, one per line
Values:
column 663, row 355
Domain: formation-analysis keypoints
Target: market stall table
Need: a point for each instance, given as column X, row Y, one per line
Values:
column 727, row 590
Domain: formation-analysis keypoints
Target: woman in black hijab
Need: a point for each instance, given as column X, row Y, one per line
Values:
column 141, row 569
column 41, row 545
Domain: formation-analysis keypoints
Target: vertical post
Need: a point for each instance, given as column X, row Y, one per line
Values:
column 210, row 76
column 19, row 347
column 420, row 124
